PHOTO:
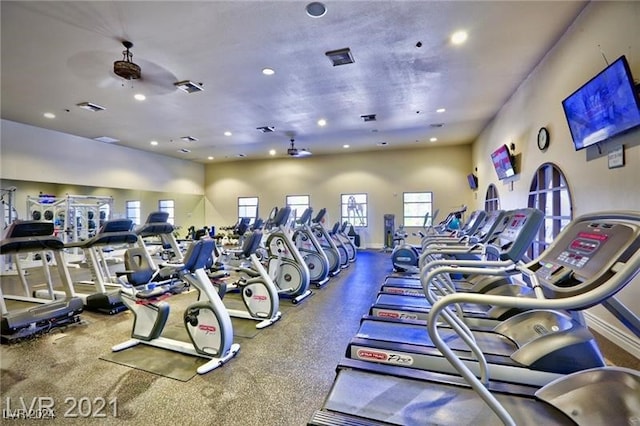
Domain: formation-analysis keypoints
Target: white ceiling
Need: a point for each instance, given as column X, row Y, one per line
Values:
column 58, row 54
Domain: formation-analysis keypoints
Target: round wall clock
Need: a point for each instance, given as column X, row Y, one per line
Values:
column 543, row 138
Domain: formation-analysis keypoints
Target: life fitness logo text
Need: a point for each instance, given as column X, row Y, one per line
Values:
column 209, row 329
column 386, row 357
column 260, row 297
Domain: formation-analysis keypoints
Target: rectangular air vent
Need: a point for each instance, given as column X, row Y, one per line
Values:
column 189, row 86
column 189, row 138
column 266, row 129
column 340, row 56
column 368, row 117
column 184, row 150
column 91, row 107
column 106, row 139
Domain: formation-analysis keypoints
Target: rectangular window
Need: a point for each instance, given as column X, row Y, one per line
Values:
column 354, row 209
column 169, row 207
column 416, row 206
column 298, row 204
column 248, row 207
column 133, row 211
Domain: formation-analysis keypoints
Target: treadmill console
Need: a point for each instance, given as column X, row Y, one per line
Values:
column 583, row 256
column 520, row 229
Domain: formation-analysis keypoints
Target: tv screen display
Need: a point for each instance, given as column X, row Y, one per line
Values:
column 603, row 107
column 473, row 181
column 502, row 162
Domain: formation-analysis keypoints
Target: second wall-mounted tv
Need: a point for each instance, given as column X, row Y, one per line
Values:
column 603, row 107
column 473, row 181
column 503, row 162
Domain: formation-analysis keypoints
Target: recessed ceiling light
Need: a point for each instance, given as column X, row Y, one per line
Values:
column 459, row 37
column 315, row 9
column 433, row 140
column 210, row 158
column 268, row 71
column 272, row 152
column 345, row 146
column 322, row 122
column 139, row 97
column 439, row 110
column 154, row 143
column 228, row 133
column 49, row 115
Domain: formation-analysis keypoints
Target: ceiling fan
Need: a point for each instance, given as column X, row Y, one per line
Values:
column 295, row 152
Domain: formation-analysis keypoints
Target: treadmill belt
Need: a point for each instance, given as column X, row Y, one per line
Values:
column 405, row 281
column 410, row 402
column 490, row 343
column 401, row 300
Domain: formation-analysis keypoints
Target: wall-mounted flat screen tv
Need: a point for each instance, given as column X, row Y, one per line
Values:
column 503, row 162
column 473, row 181
column 604, row 107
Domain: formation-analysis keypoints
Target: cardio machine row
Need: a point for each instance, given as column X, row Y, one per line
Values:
column 479, row 333
column 145, row 285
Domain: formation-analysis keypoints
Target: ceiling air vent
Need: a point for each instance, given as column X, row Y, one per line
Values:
column 106, row 139
column 184, row 150
column 436, row 125
column 91, row 107
column 189, row 86
column 189, row 139
column 368, row 117
column 340, row 56
column 266, row 129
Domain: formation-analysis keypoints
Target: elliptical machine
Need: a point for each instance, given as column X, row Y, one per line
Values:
column 327, row 243
column 311, row 250
column 285, row 264
column 207, row 322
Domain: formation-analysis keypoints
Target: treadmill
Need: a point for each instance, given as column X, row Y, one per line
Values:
column 26, row 316
column 508, row 246
column 101, row 293
column 472, row 245
column 591, row 260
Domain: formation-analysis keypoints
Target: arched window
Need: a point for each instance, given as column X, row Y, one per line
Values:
column 549, row 192
column 491, row 199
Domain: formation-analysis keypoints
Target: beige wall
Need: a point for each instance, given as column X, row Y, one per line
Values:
column 35, row 154
column 383, row 175
column 613, row 27
column 37, row 160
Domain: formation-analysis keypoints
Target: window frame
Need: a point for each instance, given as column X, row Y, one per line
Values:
column 240, row 206
column 549, row 186
column 169, row 209
column 418, row 220
column 345, row 205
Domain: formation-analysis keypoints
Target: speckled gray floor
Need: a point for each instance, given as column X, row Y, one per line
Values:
column 280, row 376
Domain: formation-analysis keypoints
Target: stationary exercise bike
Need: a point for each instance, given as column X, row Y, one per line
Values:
column 259, row 293
column 207, row 321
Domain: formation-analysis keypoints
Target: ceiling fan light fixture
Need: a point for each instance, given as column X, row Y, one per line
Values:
column 189, row 86
column 126, row 68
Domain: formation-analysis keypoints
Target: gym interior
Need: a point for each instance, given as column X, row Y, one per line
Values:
column 300, row 368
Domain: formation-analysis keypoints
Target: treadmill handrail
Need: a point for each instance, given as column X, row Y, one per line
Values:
column 625, row 272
